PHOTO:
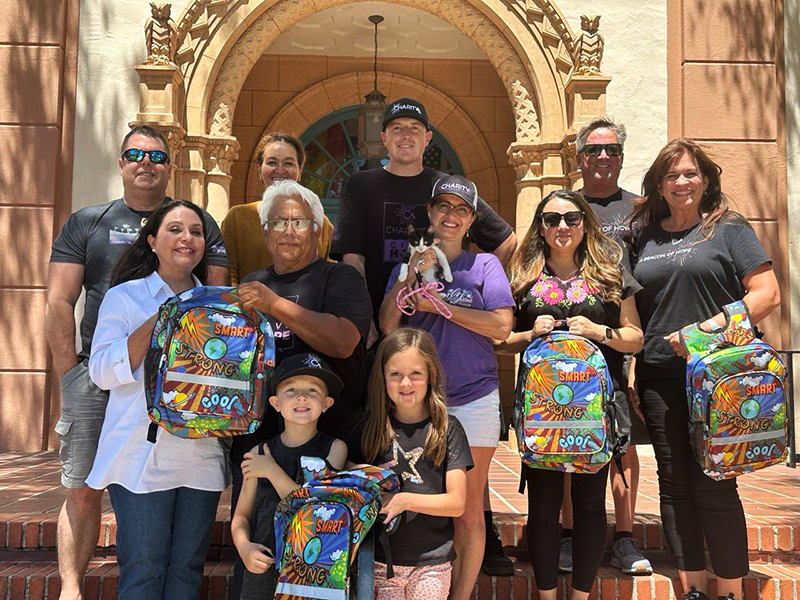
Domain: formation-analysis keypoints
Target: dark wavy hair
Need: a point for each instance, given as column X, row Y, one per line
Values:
column 597, row 256
column 652, row 207
column 139, row 260
column 286, row 139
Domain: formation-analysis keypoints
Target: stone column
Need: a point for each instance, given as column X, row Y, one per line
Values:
column 222, row 151
column 586, row 98
column 540, row 168
column 193, row 171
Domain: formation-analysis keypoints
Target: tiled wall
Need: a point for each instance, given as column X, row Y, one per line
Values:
column 37, row 84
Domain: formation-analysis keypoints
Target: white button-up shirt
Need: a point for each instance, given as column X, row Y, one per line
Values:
column 124, row 456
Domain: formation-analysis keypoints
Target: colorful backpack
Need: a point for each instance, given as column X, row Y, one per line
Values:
column 319, row 527
column 737, row 402
column 208, row 365
column 563, row 410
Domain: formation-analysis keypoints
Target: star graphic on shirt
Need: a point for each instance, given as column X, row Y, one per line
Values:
column 409, row 472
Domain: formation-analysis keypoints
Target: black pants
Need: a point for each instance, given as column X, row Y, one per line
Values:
column 545, row 492
column 693, row 505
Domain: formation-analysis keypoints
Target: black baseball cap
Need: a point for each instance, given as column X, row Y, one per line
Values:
column 405, row 107
column 307, row 363
column 458, row 186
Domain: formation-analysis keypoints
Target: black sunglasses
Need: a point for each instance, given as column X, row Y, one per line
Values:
column 596, row 149
column 137, row 155
column 572, row 218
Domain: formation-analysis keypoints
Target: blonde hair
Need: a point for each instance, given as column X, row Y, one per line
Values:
column 378, row 433
column 597, row 256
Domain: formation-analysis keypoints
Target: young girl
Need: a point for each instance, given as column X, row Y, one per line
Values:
column 409, row 432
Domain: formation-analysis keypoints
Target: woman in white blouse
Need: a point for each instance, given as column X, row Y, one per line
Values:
column 164, row 494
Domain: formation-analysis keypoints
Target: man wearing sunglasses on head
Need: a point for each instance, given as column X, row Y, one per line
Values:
column 83, row 257
column 600, row 144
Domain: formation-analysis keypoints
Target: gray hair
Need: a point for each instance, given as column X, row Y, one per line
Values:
column 290, row 189
column 600, row 123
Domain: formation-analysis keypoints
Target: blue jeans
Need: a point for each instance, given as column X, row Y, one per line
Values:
column 162, row 539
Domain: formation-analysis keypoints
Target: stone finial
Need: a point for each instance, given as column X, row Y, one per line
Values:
column 589, row 46
column 161, row 35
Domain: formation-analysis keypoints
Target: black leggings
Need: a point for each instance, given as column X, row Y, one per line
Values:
column 545, row 492
column 692, row 504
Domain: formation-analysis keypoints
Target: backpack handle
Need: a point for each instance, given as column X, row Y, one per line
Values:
column 737, row 331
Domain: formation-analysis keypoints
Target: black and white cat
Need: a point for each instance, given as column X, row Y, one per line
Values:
column 419, row 240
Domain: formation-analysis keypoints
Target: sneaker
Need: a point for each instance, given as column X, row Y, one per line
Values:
column 565, row 555
column 495, row 561
column 625, row 555
column 694, row 595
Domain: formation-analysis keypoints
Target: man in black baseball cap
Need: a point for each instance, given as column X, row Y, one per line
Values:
column 405, row 108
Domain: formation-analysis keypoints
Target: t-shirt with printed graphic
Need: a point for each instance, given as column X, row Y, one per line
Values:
column 613, row 213
column 467, row 357
column 375, row 211
column 563, row 298
column 686, row 280
column 422, row 539
column 97, row 236
column 330, row 288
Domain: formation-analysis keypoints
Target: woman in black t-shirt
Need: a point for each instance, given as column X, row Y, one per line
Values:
column 566, row 270
column 693, row 257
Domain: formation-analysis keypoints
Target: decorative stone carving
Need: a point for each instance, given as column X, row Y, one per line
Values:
column 222, row 122
column 589, row 46
column 161, row 35
column 220, row 154
column 527, row 121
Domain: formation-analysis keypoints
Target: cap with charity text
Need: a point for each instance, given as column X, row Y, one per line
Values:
column 405, row 107
column 458, row 186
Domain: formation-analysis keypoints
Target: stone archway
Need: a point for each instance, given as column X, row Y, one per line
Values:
column 192, row 92
column 346, row 90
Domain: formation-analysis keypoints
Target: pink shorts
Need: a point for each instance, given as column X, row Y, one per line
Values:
column 429, row 582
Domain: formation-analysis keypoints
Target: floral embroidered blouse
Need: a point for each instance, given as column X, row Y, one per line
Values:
column 563, row 298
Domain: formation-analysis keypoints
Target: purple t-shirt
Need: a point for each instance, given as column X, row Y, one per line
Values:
column 468, row 358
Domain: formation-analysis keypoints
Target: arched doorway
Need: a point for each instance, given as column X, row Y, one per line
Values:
column 529, row 44
column 332, row 156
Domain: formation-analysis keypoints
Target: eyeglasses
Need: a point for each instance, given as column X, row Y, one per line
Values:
column 137, row 155
column 280, row 225
column 596, row 149
column 572, row 218
column 446, row 208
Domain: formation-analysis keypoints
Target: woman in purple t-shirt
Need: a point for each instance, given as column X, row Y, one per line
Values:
column 481, row 306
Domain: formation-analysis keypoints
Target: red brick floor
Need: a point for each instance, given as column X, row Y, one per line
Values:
column 30, row 497
column 30, row 490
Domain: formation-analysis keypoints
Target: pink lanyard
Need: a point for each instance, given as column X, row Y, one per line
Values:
column 405, row 294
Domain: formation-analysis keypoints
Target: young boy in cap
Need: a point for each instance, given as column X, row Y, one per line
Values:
column 303, row 388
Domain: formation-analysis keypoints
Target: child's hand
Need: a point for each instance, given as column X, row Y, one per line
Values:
column 257, row 465
column 256, row 557
column 395, row 505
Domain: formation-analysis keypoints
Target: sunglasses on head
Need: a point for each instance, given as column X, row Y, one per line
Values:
column 137, row 155
column 572, row 218
column 596, row 149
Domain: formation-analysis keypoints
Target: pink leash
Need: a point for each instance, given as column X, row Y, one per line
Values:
column 404, row 295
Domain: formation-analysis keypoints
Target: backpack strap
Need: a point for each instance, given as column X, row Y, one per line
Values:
column 737, row 331
column 152, row 432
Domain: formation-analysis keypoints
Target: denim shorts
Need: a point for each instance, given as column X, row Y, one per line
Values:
column 83, row 408
column 480, row 419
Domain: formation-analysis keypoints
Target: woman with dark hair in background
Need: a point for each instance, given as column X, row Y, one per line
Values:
column 282, row 157
column 693, row 256
column 566, row 269
column 164, row 494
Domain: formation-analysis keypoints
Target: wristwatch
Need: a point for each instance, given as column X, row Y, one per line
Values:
column 607, row 335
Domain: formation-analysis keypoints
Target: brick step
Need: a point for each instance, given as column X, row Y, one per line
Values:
column 39, row 580
column 37, row 532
